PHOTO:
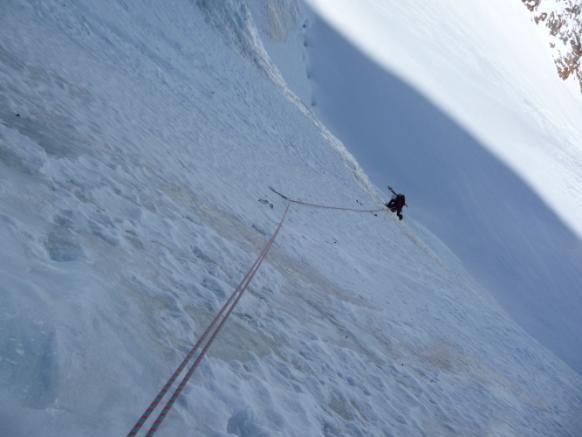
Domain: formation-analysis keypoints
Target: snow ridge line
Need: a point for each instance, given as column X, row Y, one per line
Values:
column 320, row 206
column 215, row 325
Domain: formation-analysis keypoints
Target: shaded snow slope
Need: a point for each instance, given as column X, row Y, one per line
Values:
column 136, row 140
column 476, row 178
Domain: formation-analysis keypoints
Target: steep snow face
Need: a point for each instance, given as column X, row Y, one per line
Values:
column 137, row 142
column 484, row 140
column 233, row 19
column 282, row 24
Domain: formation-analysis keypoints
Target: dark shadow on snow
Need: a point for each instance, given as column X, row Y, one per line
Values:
column 506, row 236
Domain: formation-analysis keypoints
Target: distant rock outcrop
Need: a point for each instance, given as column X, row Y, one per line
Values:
column 563, row 18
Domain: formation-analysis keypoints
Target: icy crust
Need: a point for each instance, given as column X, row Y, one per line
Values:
column 129, row 188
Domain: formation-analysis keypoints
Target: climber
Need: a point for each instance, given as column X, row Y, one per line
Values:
column 397, row 202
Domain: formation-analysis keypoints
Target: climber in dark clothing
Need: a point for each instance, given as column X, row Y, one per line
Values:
column 396, row 204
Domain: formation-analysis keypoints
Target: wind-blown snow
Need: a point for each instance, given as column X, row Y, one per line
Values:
column 136, row 140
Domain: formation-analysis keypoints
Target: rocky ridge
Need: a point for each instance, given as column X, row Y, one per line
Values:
column 563, row 19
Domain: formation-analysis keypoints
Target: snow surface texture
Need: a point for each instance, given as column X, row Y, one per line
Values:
column 136, row 141
column 499, row 180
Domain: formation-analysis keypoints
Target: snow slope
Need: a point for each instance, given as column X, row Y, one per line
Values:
column 458, row 107
column 135, row 141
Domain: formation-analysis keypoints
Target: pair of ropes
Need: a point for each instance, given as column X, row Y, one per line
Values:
column 208, row 336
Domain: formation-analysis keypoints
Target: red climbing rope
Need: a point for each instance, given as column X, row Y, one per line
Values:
column 316, row 205
column 212, row 329
column 210, row 333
